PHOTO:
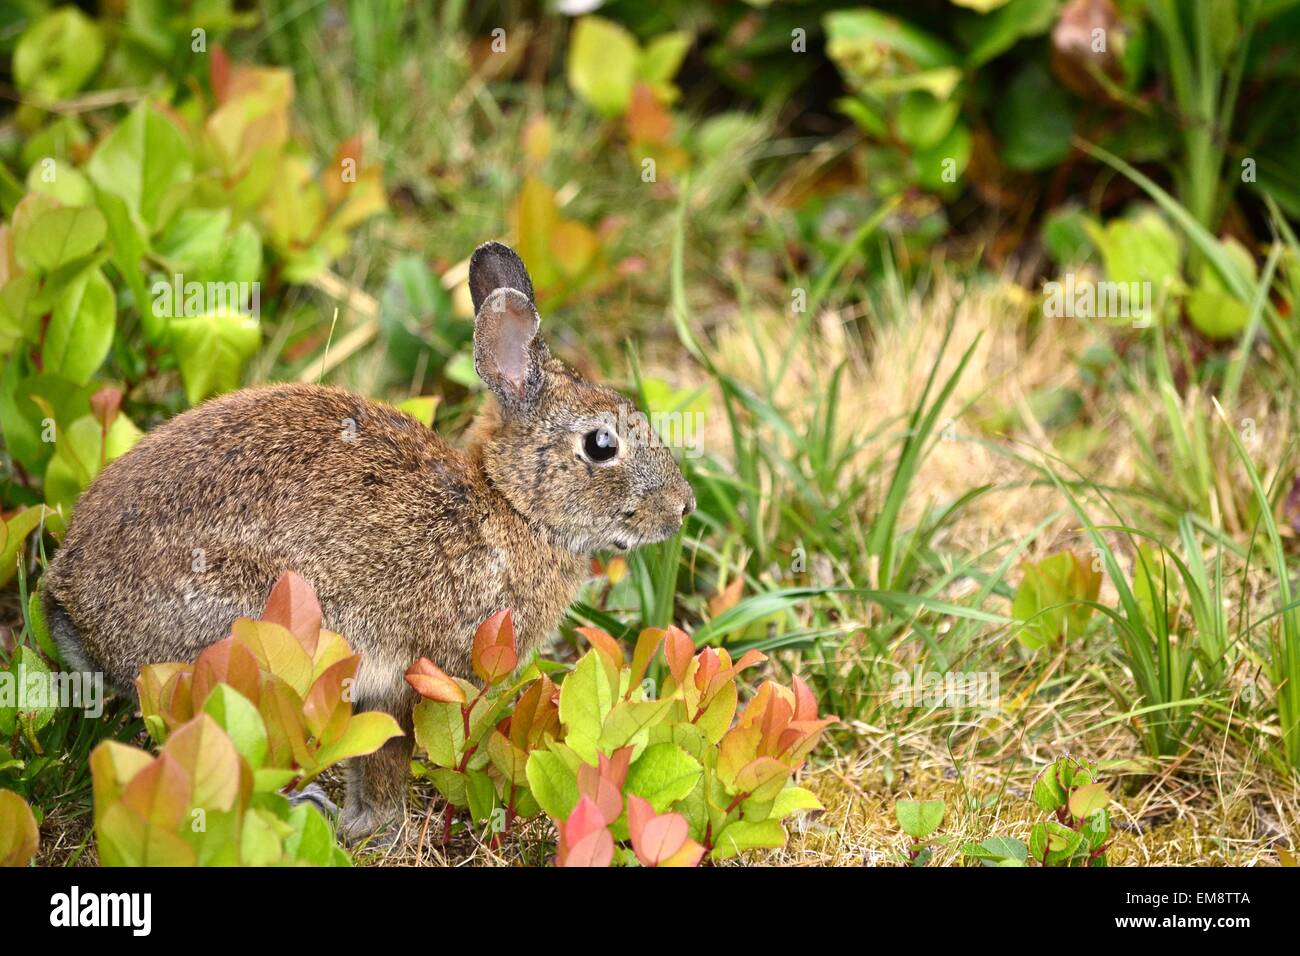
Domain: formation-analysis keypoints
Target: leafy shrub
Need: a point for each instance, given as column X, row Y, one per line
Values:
column 589, row 755
column 262, row 711
column 145, row 258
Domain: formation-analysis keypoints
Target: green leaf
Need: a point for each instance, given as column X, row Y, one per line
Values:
column 660, row 62
column 919, row 818
column 80, row 451
column 1034, row 121
column 55, row 178
column 924, row 121
column 34, row 705
column 58, row 53
column 451, row 784
column 1038, row 841
column 128, row 245
column 80, row 332
column 1062, row 843
column 1141, row 247
column 741, row 835
column 664, row 774
column 194, row 242
column 1089, row 799
column 440, row 731
column 365, row 734
column 212, row 349
column 57, row 237
column 997, row 851
column 241, row 721
column 312, row 841
column 602, row 64
column 867, row 43
column 586, row 698
column 629, row 722
column 1047, row 792
column 792, row 800
column 35, row 614
column 144, row 161
column 1051, row 599
column 553, row 784
column 993, row 35
column 16, row 529
column 1211, row 306
column 481, row 794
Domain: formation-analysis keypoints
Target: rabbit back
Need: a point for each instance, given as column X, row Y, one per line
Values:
column 405, row 541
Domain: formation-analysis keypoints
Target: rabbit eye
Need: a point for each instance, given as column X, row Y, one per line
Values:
column 600, row 445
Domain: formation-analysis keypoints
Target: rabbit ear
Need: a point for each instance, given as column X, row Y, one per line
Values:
column 494, row 266
column 508, row 354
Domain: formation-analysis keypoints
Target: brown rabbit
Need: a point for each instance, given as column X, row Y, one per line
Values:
column 409, row 543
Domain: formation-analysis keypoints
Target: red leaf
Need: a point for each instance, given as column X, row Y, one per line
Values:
column 604, row 782
column 105, row 404
column 656, row 839
column 219, row 73
column 585, row 841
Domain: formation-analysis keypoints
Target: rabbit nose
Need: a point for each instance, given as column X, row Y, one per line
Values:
column 688, row 505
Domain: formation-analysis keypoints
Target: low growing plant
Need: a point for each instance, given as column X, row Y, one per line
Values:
column 1078, row 832
column 919, row 820
column 256, row 715
column 628, row 771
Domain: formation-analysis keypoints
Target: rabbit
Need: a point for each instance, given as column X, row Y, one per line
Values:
column 408, row 542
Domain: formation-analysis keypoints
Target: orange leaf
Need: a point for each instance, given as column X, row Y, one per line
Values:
column 805, row 701
column 605, row 644
column 160, row 792
column 647, row 119
column 431, row 681
column 227, row 662
column 727, row 598
column 333, row 178
column 535, row 714
column 105, row 404
column 326, row 707
column 679, row 649
column 494, row 656
column 646, row 644
column 294, row 607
